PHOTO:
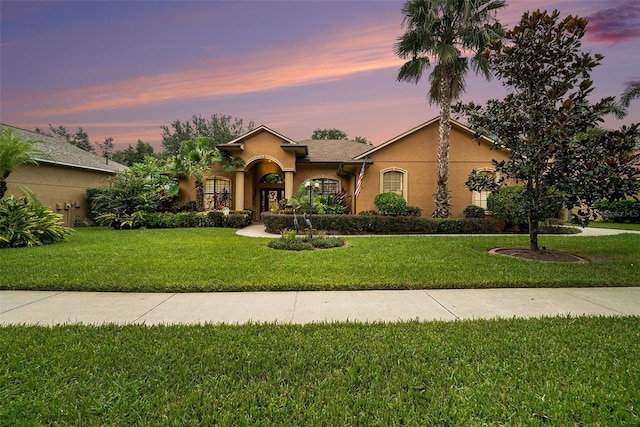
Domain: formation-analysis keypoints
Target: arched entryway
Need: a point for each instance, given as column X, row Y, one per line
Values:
column 271, row 187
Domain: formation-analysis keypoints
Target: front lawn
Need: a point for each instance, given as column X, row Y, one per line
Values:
column 550, row 371
column 615, row 225
column 213, row 259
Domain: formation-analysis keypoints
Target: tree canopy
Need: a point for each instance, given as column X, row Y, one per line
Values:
column 548, row 125
column 131, row 155
column 217, row 129
column 80, row 138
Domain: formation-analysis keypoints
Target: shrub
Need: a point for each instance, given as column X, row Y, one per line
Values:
column 390, row 204
column 623, row 211
column 473, row 211
column 413, row 211
column 506, row 204
column 24, row 222
column 291, row 242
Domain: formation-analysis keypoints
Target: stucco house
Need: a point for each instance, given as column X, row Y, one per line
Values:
column 276, row 165
column 62, row 176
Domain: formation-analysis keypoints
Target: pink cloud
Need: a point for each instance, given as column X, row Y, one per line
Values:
column 619, row 23
column 307, row 63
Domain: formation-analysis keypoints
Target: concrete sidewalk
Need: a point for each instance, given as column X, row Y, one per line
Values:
column 53, row 308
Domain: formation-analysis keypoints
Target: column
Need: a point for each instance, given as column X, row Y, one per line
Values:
column 239, row 205
column 288, row 185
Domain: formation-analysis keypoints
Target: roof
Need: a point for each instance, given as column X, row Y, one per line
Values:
column 332, row 150
column 54, row 150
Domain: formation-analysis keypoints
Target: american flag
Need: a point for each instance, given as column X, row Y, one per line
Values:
column 359, row 184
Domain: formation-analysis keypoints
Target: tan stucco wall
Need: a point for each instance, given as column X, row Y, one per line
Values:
column 416, row 154
column 57, row 185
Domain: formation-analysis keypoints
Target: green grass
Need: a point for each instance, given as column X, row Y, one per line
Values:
column 184, row 260
column 550, row 371
column 615, row 225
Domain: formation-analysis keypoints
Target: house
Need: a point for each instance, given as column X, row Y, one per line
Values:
column 62, row 176
column 276, row 165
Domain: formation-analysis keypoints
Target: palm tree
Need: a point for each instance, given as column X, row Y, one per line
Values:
column 444, row 30
column 631, row 92
column 194, row 160
column 13, row 153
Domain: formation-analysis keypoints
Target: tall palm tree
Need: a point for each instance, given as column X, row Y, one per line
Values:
column 194, row 160
column 444, row 30
column 13, row 152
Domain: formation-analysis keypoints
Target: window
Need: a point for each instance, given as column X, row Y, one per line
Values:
column 393, row 181
column 327, row 186
column 479, row 198
column 217, row 193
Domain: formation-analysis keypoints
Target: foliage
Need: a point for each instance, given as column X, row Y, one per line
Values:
column 289, row 241
column 371, row 223
column 630, row 93
column 443, row 30
column 217, row 259
column 217, row 129
column 144, row 187
column 413, row 211
column 362, row 140
column 80, row 139
column 479, row 181
column 194, row 160
column 622, row 211
column 473, row 211
column 329, row 134
column 508, row 205
column 13, row 153
column 189, row 219
column 106, row 148
column 25, row 222
column 547, row 124
column 131, row 155
column 390, row 203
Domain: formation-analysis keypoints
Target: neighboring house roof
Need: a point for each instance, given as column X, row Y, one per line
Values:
column 56, row 151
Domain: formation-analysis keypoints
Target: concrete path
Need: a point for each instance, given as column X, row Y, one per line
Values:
column 53, row 308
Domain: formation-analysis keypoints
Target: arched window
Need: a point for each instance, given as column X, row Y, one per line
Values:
column 217, row 193
column 394, row 180
column 479, row 198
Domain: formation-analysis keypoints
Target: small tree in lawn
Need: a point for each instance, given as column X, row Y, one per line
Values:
column 548, row 125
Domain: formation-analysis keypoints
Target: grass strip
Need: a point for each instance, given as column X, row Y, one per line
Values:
column 187, row 260
column 562, row 371
column 615, row 225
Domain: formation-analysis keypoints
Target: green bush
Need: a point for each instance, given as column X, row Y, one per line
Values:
column 506, row 203
column 473, row 211
column 413, row 211
column 621, row 211
column 24, row 222
column 390, row 204
column 291, row 242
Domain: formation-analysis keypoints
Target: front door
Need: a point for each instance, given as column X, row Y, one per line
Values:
column 270, row 198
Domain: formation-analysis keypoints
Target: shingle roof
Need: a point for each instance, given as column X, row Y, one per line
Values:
column 332, row 151
column 56, row 151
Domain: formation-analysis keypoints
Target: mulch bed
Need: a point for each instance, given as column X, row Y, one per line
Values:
column 541, row 255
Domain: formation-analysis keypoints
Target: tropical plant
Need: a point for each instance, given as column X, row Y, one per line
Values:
column 25, row 222
column 630, row 93
column 13, row 152
column 549, row 127
column 194, row 160
column 445, row 30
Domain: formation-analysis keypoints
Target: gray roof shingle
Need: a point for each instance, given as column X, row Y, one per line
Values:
column 332, row 151
column 57, row 151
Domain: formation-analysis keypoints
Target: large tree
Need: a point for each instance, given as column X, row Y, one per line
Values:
column 217, row 129
column 13, row 152
column 548, row 125
column 446, row 30
column 329, row 134
column 131, row 155
column 194, row 160
column 80, row 139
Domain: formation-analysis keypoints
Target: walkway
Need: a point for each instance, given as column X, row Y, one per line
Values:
column 52, row 308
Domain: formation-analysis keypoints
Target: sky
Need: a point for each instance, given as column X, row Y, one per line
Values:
column 122, row 69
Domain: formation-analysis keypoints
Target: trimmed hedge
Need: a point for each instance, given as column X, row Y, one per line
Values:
column 383, row 224
column 237, row 219
column 622, row 211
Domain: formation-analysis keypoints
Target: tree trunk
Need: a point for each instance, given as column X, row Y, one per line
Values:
column 3, row 187
column 442, row 197
column 534, row 228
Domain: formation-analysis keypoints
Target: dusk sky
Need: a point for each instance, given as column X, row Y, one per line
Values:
column 124, row 68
